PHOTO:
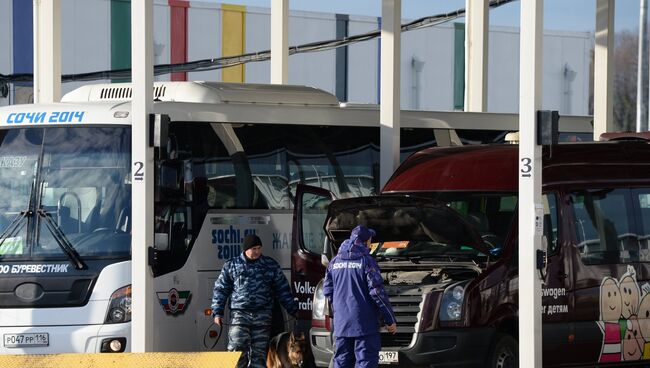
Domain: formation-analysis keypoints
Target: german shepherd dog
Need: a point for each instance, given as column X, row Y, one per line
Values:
column 289, row 351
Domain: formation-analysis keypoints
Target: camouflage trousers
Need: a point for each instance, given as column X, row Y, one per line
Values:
column 249, row 333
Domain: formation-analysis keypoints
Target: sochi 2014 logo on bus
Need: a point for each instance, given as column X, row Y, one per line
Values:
column 174, row 301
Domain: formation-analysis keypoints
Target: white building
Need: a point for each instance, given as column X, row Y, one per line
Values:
column 96, row 37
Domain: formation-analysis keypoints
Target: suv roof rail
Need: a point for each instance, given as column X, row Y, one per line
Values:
column 625, row 136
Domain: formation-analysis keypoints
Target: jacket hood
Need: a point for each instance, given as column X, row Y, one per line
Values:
column 352, row 250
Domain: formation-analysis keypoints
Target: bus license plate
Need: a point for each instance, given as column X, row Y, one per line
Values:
column 388, row 357
column 23, row 340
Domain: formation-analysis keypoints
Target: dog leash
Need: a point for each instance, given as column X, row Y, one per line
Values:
column 207, row 331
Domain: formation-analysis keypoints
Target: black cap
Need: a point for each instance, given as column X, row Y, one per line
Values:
column 250, row 241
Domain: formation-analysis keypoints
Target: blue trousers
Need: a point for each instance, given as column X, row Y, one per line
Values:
column 249, row 333
column 358, row 352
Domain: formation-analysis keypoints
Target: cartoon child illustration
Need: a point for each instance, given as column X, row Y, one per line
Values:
column 644, row 319
column 629, row 293
column 611, row 305
column 632, row 342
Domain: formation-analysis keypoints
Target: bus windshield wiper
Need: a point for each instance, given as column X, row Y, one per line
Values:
column 62, row 240
column 14, row 226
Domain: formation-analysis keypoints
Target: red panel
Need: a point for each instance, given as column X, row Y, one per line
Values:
column 466, row 169
column 178, row 36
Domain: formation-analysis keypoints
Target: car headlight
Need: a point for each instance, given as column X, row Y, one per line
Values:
column 452, row 302
column 119, row 306
column 318, row 306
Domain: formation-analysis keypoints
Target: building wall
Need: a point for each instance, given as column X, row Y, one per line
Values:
column 363, row 63
column 204, row 37
column 96, row 36
column 85, row 39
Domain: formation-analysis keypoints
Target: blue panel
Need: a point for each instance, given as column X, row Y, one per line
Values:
column 23, row 39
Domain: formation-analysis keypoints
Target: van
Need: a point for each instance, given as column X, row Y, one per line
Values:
column 447, row 246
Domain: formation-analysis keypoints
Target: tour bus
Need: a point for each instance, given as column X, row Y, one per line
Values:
column 447, row 246
column 230, row 165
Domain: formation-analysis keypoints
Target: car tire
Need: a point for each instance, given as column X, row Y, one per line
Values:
column 504, row 352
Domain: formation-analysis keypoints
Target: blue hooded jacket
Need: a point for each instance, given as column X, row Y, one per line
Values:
column 354, row 287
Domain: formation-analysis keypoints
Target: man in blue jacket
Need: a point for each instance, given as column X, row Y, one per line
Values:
column 354, row 287
column 251, row 281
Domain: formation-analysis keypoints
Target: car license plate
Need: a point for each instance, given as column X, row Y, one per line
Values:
column 23, row 340
column 388, row 357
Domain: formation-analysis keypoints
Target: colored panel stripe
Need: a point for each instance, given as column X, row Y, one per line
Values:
column 459, row 66
column 342, row 29
column 23, row 37
column 178, row 35
column 120, row 35
column 233, row 26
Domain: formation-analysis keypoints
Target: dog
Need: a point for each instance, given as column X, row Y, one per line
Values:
column 287, row 350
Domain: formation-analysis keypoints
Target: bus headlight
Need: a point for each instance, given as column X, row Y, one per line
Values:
column 452, row 302
column 119, row 306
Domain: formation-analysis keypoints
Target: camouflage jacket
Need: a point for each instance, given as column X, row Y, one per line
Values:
column 252, row 286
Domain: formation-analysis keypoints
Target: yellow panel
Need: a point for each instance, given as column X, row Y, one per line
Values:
column 233, row 38
column 123, row 360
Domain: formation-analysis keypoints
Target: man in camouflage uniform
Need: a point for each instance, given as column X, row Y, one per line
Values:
column 251, row 281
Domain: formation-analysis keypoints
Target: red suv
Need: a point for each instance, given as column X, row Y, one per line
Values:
column 447, row 247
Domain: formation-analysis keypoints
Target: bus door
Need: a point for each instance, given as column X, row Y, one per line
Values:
column 309, row 252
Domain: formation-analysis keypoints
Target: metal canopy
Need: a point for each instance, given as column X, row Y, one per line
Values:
column 47, row 89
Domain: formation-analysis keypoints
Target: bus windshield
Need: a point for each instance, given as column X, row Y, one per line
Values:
column 65, row 192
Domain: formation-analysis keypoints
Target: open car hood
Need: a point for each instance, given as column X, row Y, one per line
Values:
column 401, row 218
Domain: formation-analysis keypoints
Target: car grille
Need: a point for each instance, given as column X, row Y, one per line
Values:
column 406, row 305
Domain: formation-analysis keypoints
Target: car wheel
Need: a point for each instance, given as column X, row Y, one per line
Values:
column 505, row 352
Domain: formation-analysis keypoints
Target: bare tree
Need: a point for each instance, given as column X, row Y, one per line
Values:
column 625, row 74
column 625, row 80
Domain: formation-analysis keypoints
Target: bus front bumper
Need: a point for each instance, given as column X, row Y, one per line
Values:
column 62, row 339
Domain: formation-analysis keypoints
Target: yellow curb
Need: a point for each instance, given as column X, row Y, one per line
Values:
column 123, row 360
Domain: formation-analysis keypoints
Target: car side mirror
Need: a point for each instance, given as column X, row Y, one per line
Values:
column 328, row 252
column 324, row 260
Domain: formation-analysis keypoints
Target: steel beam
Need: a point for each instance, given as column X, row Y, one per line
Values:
column 389, row 110
column 476, row 54
column 142, row 175
column 530, row 183
column 604, row 68
column 279, row 41
column 47, row 51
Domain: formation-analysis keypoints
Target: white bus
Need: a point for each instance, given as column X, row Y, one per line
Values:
column 233, row 157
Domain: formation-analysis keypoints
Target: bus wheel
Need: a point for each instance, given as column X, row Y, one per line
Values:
column 504, row 353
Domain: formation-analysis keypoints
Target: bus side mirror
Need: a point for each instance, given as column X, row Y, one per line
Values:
column 161, row 241
column 169, row 181
column 158, row 133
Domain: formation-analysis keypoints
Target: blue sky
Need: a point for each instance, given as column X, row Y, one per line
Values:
column 566, row 15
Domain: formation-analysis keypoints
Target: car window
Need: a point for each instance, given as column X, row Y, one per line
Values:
column 609, row 224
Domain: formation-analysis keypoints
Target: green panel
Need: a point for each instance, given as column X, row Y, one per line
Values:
column 459, row 66
column 120, row 36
